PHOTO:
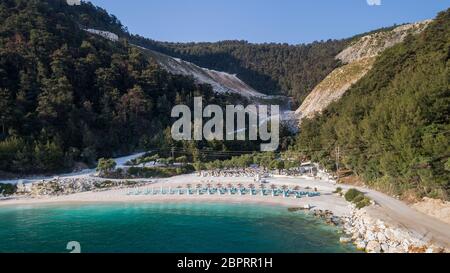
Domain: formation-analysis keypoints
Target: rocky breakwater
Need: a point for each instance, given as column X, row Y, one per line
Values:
column 67, row 186
column 372, row 235
column 376, row 236
column 325, row 215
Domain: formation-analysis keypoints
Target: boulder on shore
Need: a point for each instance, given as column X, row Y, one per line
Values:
column 361, row 244
column 345, row 240
column 373, row 247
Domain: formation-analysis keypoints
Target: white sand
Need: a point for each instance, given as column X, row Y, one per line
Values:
column 326, row 201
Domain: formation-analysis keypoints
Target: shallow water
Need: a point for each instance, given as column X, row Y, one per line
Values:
column 166, row 228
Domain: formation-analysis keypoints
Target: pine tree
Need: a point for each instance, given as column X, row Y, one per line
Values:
column 55, row 102
column 5, row 110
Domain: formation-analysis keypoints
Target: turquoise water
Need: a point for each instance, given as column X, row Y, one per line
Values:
column 166, row 228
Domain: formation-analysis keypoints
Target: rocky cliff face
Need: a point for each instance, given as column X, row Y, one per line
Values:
column 221, row 82
column 333, row 87
column 373, row 44
column 358, row 59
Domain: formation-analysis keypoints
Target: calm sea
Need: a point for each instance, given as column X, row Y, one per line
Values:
column 165, row 228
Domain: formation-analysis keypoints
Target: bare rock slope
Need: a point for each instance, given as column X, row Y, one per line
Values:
column 334, row 86
column 221, row 82
column 358, row 58
column 373, row 44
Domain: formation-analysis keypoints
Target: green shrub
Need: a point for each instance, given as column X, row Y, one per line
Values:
column 8, row 189
column 105, row 184
column 363, row 203
column 106, row 165
column 338, row 190
column 130, row 183
column 160, row 172
column 358, row 198
column 352, row 194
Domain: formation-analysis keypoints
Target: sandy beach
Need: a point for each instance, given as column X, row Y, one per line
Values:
column 326, row 201
column 387, row 209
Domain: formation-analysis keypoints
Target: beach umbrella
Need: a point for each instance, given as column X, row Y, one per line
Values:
column 230, row 186
column 262, row 187
column 240, row 188
column 273, row 187
column 284, row 187
column 297, row 191
column 252, row 187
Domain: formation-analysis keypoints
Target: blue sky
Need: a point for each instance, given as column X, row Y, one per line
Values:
column 282, row 21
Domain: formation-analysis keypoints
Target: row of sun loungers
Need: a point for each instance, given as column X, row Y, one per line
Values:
column 234, row 173
column 223, row 191
column 251, row 172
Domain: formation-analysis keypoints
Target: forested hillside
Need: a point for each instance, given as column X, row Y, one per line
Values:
column 292, row 70
column 358, row 59
column 67, row 96
column 392, row 127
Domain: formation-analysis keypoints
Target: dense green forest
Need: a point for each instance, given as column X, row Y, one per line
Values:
column 392, row 127
column 67, row 96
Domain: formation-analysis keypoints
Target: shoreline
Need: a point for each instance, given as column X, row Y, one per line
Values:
column 119, row 196
column 388, row 226
column 326, row 200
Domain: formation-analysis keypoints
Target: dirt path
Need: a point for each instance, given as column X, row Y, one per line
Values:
column 120, row 161
column 423, row 225
column 392, row 210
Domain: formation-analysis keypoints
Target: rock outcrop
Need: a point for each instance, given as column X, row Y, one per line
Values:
column 358, row 60
column 373, row 44
column 375, row 236
column 67, row 186
column 105, row 34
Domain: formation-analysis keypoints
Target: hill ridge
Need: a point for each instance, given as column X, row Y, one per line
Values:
column 358, row 59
